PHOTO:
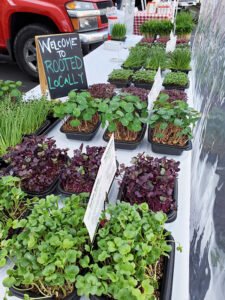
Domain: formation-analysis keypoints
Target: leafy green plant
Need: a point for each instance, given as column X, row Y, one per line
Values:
column 13, row 204
column 11, row 89
column 154, row 27
column 124, row 115
column 49, row 252
column 120, row 74
column 184, row 23
column 144, row 76
column 82, row 108
column 172, row 122
column 180, row 59
column 176, row 78
column 118, row 31
column 20, row 118
column 137, row 57
column 126, row 257
column 157, row 58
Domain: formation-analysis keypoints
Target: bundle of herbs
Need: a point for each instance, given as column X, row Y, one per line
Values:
column 125, row 115
column 51, row 246
column 150, row 180
column 172, row 122
column 82, row 110
column 127, row 263
column 80, row 174
column 38, row 162
column 102, row 90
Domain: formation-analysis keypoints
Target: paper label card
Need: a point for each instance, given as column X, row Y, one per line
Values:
column 105, row 176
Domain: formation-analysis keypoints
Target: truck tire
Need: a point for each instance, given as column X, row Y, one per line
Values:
column 24, row 48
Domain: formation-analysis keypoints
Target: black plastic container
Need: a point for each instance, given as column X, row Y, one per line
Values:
column 167, row 149
column 175, row 87
column 81, row 136
column 49, row 191
column 3, row 164
column 119, row 40
column 48, row 125
column 120, row 83
column 143, row 85
column 131, row 68
column 166, row 284
column 172, row 214
column 183, row 71
column 20, row 294
column 126, row 144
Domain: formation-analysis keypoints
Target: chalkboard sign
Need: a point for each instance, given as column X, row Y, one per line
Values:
column 60, row 64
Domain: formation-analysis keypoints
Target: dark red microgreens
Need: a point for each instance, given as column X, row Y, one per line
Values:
column 182, row 41
column 175, row 95
column 147, row 40
column 141, row 93
column 102, row 90
column 163, row 40
column 81, row 173
column 37, row 162
column 150, row 180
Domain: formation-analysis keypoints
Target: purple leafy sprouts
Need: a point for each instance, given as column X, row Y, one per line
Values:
column 81, row 173
column 141, row 93
column 37, row 161
column 102, row 90
column 150, row 180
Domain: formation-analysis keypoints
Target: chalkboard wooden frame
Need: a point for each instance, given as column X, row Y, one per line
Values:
column 60, row 64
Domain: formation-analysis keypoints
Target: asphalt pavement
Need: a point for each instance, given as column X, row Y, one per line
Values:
column 10, row 71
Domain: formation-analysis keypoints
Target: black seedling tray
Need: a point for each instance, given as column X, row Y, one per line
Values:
column 183, row 71
column 20, row 294
column 119, row 40
column 175, row 87
column 119, row 83
column 166, row 284
column 126, row 144
column 172, row 214
column 49, row 191
column 81, row 136
column 52, row 122
column 143, row 85
column 167, row 149
column 131, row 68
column 3, row 164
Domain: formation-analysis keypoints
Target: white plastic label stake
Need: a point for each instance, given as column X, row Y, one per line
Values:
column 106, row 173
column 171, row 44
column 156, row 88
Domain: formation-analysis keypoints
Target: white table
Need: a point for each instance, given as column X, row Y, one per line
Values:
column 98, row 65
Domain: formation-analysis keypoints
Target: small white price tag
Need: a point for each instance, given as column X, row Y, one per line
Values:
column 106, row 173
column 156, row 88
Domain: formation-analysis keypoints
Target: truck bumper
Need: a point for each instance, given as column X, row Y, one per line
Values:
column 93, row 37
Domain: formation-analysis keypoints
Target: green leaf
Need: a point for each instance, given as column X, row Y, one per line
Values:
column 71, row 272
column 75, row 123
column 67, row 244
column 178, row 122
column 48, row 270
column 124, row 122
column 76, row 112
column 84, row 262
column 148, row 288
column 124, row 249
column 9, row 282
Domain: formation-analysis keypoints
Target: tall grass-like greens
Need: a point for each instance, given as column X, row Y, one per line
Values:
column 180, row 60
column 137, row 57
column 184, row 24
column 154, row 27
column 20, row 118
column 119, row 31
column 157, row 58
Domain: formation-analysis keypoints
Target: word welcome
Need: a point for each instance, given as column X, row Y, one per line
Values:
column 56, row 45
column 63, row 64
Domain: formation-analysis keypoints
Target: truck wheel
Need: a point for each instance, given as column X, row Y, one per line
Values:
column 24, row 48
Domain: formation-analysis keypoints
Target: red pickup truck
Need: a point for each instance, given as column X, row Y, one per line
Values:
column 21, row 20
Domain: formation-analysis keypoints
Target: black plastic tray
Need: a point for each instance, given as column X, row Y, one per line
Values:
column 172, row 214
column 131, row 68
column 183, row 71
column 175, row 87
column 50, row 123
column 128, row 145
column 146, row 86
column 81, row 136
column 119, row 40
column 167, row 149
column 120, row 84
column 49, row 191
column 20, row 294
column 3, row 164
column 166, row 284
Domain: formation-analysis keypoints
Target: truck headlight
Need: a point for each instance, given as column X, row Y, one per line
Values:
column 78, row 5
